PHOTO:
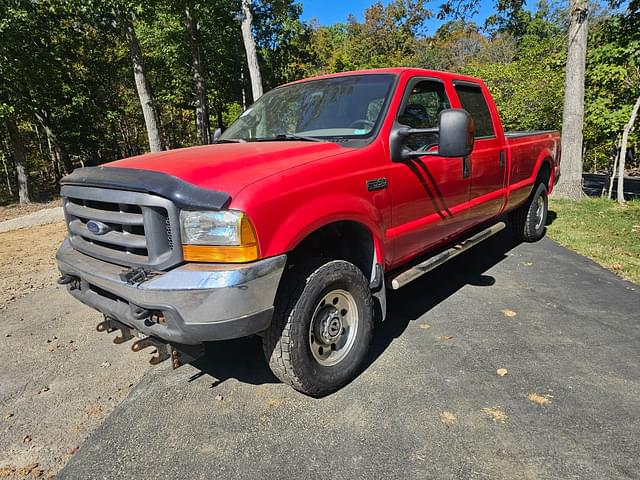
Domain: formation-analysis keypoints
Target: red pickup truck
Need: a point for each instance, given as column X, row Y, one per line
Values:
column 321, row 196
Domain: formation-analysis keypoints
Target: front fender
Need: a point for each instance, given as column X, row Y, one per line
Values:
column 305, row 219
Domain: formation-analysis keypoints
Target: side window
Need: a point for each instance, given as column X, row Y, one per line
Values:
column 473, row 101
column 426, row 100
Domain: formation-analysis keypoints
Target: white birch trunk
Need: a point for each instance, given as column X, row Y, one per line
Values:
column 250, row 48
column 623, row 150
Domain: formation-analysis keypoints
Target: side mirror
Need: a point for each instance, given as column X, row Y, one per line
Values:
column 216, row 134
column 455, row 137
column 456, row 133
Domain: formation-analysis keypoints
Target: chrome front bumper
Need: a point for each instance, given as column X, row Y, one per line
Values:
column 195, row 302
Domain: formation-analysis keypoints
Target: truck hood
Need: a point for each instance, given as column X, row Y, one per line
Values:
column 230, row 167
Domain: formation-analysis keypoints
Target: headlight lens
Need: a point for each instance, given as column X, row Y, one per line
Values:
column 226, row 236
column 211, row 228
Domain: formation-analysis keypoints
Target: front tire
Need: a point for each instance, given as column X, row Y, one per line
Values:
column 529, row 220
column 322, row 326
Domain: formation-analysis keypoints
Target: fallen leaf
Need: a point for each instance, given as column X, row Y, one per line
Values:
column 448, row 418
column 540, row 399
column 43, row 389
column 495, row 413
column 26, row 439
column 74, row 450
column 219, row 397
column 502, row 372
column 6, row 471
column 527, row 264
column 273, row 403
column 617, row 266
column 33, row 469
column 8, row 415
column 105, row 364
column 94, row 411
column 446, row 337
column 424, row 326
column 509, row 313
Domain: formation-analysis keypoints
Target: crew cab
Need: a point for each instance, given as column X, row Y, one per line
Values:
column 324, row 194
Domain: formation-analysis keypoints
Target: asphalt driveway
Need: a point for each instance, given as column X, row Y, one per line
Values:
column 430, row 404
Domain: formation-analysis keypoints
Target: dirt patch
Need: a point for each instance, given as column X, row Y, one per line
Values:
column 27, row 260
column 7, row 212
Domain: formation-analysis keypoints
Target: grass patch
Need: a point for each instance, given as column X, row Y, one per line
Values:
column 601, row 230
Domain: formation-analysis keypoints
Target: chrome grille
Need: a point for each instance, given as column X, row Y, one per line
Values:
column 140, row 228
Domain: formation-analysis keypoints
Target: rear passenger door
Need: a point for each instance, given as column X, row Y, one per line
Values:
column 488, row 157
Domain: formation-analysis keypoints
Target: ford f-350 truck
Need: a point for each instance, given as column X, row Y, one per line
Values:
column 323, row 194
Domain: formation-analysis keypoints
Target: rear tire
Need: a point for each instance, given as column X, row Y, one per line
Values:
column 322, row 326
column 530, row 220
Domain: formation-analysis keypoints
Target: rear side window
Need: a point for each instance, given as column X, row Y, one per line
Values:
column 473, row 101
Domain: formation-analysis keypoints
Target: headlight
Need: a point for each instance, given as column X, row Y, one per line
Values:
column 224, row 236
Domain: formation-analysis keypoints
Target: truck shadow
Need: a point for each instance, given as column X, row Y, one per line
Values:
column 243, row 359
column 419, row 297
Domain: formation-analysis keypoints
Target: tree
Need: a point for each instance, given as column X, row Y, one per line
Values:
column 202, row 101
column 623, row 150
column 20, row 160
column 246, row 25
column 142, row 83
column 570, row 184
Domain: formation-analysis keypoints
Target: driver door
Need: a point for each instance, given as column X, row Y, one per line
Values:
column 425, row 191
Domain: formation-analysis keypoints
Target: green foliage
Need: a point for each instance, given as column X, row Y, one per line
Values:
column 67, row 63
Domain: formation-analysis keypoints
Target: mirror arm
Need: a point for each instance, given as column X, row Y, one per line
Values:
column 406, row 131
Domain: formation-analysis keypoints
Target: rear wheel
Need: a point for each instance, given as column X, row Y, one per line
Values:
column 529, row 220
column 322, row 326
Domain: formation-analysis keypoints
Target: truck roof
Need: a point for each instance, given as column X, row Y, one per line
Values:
column 396, row 71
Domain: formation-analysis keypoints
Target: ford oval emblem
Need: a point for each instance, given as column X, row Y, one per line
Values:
column 97, row 228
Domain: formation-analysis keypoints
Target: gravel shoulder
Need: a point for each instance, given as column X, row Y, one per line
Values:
column 59, row 378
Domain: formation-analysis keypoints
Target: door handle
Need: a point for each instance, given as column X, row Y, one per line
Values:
column 466, row 166
column 501, row 158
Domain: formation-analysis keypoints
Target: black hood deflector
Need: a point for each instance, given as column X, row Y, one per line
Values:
column 183, row 194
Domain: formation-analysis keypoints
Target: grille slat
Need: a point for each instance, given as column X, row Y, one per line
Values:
column 142, row 227
column 88, row 213
column 127, row 240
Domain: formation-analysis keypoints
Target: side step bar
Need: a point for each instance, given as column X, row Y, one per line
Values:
column 411, row 274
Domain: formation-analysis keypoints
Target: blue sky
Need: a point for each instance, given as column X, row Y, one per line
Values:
column 332, row 11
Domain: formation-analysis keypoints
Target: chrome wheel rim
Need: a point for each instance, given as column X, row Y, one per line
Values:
column 333, row 328
column 539, row 212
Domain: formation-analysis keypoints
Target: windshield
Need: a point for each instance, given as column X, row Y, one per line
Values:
column 345, row 107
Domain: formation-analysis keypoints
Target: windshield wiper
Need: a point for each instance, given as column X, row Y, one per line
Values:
column 289, row 136
column 230, row 140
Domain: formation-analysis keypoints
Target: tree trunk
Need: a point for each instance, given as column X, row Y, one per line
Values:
column 623, row 150
column 202, row 103
column 20, row 160
column 570, row 185
column 250, row 48
column 6, row 174
column 57, row 150
column 142, row 84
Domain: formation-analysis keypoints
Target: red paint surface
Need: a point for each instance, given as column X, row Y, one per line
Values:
column 289, row 189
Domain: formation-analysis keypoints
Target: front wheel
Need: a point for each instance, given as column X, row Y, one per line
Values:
column 529, row 220
column 322, row 326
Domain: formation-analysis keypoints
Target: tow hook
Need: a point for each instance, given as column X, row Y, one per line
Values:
column 178, row 353
column 73, row 282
